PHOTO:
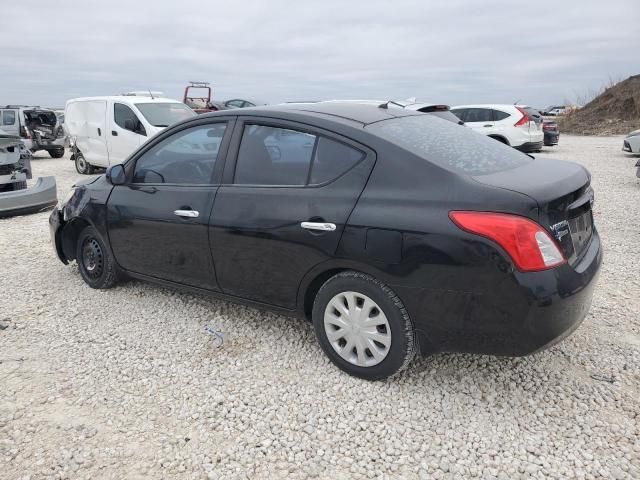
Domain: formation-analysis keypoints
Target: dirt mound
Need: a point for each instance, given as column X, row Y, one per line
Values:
column 615, row 111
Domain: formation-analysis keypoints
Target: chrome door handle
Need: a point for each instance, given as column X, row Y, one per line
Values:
column 187, row 213
column 319, row 226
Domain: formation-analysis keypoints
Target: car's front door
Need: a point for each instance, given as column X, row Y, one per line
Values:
column 158, row 221
column 126, row 133
column 283, row 207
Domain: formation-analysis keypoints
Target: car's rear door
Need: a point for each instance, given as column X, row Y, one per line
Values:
column 158, row 221
column 283, row 207
column 480, row 120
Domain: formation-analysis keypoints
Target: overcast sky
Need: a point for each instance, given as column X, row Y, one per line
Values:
column 453, row 52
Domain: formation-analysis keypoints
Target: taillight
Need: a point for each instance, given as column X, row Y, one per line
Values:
column 527, row 243
column 524, row 120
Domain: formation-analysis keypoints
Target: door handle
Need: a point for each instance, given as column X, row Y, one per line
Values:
column 488, row 125
column 319, row 226
column 114, row 133
column 187, row 213
column 99, row 132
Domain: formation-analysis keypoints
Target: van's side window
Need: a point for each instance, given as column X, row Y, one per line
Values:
column 8, row 117
column 127, row 119
column 188, row 157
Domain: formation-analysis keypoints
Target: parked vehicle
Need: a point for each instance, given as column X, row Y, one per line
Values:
column 555, row 110
column 15, row 170
column 241, row 103
column 551, row 132
column 202, row 103
column 38, row 128
column 631, row 143
column 379, row 225
column 435, row 109
column 103, row 131
column 509, row 124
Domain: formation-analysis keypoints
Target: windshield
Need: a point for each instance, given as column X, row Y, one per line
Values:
column 448, row 145
column 164, row 114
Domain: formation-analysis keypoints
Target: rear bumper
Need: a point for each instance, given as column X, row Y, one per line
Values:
column 39, row 197
column 523, row 314
column 529, row 146
column 551, row 138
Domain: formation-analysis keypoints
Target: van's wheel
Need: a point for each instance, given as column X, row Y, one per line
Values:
column 363, row 327
column 59, row 153
column 95, row 263
column 82, row 166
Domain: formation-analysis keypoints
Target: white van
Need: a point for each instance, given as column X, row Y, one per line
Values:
column 103, row 131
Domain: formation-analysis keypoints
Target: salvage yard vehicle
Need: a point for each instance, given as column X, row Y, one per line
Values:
column 38, row 127
column 551, row 132
column 631, row 143
column 392, row 231
column 202, row 103
column 15, row 170
column 103, row 131
column 509, row 124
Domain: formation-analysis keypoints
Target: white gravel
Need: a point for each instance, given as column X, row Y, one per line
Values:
column 125, row 383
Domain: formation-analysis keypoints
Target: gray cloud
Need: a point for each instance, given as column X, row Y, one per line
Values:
column 454, row 52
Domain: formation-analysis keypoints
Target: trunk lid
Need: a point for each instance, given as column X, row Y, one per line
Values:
column 564, row 197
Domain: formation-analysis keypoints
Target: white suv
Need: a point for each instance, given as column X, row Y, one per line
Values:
column 510, row 124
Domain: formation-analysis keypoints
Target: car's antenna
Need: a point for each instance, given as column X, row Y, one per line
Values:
column 517, row 101
column 152, row 97
column 386, row 105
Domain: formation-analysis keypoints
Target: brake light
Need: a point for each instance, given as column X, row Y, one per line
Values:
column 527, row 243
column 524, row 120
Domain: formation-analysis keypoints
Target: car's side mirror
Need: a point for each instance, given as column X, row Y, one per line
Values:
column 116, row 175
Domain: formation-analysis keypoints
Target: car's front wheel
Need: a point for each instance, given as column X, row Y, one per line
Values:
column 363, row 327
column 95, row 263
column 82, row 166
column 59, row 153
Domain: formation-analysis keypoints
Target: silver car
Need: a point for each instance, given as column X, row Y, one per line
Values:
column 38, row 128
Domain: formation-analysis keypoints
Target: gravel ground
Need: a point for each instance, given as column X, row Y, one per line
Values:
column 125, row 383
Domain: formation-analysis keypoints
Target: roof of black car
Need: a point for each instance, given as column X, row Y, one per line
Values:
column 363, row 113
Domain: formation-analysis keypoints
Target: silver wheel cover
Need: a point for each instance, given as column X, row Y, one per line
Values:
column 357, row 329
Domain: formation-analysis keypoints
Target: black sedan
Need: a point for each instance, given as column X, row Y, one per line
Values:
column 551, row 133
column 394, row 232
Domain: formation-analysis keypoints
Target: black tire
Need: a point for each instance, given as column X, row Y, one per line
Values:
column 95, row 263
column 56, row 153
column 403, row 339
column 82, row 166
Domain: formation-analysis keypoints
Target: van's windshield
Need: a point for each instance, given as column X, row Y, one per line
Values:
column 164, row 114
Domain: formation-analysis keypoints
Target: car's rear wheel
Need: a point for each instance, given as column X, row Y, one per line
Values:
column 59, row 153
column 95, row 263
column 363, row 327
column 82, row 166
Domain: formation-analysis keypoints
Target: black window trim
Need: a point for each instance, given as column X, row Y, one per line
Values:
column 234, row 149
column 216, row 176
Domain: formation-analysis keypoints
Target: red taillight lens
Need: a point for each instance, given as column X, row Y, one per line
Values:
column 524, row 120
column 527, row 243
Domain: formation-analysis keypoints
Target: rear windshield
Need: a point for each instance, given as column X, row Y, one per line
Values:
column 42, row 117
column 164, row 114
column 454, row 147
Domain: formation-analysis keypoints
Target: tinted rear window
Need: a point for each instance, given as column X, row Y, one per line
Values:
column 448, row 145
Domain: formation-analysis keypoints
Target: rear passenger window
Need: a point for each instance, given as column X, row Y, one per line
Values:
column 274, row 156
column 332, row 159
column 8, row 117
column 498, row 115
column 478, row 115
column 187, row 157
